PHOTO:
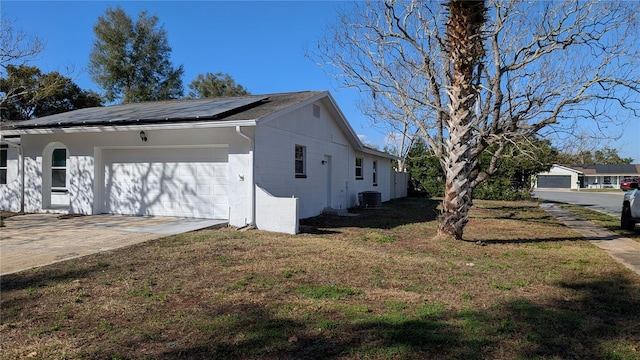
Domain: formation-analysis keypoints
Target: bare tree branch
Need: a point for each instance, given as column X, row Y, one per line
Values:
column 549, row 68
column 16, row 47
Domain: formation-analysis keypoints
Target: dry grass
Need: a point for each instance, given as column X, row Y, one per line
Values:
column 377, row 286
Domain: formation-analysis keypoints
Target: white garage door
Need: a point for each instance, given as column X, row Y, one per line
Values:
column 185, row 182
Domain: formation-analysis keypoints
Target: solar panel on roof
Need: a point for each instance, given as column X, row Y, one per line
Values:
column 144, row 112
column 612, row 168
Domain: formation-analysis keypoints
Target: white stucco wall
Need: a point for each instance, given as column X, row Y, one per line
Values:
column 278, row 214
column 84, row 165
column 10, row 192
column 329, row 184
column 366, row 183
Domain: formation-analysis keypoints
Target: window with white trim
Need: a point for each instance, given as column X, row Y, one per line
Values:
column 375, row 173
column 59, row 169
column 300, row 161
column 359, row 169
column 4, row 151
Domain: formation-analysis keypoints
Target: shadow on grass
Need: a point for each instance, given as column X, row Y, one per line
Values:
column 411, row 210
column 390, row 215
column 264, row 336
column 40, row 277
column 598, row 320
column 508, row 212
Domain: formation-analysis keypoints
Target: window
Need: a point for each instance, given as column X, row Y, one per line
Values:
column 3, row 163
column 359, row 174
column 375, row 173
column 301, row 153
column 59, row 169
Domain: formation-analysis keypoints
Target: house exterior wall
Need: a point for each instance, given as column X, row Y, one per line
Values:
column 561, row 171
column 10, row 192
column 84, row 166
column 603, row 181
column 383, row 185
column 329, row 161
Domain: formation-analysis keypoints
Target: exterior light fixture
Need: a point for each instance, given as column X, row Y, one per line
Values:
column 143, row 136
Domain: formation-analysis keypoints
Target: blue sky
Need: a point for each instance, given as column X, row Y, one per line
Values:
column 261, row 44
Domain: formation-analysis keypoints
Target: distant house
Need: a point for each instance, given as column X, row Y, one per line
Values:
column 264, row 160
column 586, row 176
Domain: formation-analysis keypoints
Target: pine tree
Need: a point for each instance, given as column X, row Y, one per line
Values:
column 130, row 60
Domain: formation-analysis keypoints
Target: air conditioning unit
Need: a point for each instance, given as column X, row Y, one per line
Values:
column 370, row 199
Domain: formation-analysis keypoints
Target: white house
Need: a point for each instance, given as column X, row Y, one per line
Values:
column 559, row 177
column 587, row 176
column 264, row 160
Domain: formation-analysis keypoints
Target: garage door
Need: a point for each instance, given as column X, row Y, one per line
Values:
column 185, row 182
column 554, row 181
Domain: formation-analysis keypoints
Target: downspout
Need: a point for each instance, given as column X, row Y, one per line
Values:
column 21, row 167
column 253, row 184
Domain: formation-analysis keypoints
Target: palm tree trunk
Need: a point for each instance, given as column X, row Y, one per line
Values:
column 465, row 51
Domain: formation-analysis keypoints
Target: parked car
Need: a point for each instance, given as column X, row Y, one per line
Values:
column 625, row 184
column 631, row 208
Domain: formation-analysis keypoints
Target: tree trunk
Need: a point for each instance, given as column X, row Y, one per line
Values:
column 465, row 51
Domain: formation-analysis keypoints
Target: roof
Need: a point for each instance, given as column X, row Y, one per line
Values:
column 226, row 111
column 171, row 111
column 612, row 169
column 565, row 168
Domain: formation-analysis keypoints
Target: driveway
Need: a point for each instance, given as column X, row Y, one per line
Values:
column 35, row 240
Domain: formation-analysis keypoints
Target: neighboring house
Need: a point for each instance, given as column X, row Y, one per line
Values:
column 587, row 176
column 264, row 160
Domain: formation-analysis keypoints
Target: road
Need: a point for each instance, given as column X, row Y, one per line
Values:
column 607, row 202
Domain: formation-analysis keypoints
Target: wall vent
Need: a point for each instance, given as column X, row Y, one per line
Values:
column 316, row 110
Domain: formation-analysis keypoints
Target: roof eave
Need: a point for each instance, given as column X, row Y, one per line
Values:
column 130, row 127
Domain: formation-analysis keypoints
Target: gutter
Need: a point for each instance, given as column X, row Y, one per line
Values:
column 253, row 185
column 125, row 127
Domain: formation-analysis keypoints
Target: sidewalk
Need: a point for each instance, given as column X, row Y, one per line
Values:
column 624, row 250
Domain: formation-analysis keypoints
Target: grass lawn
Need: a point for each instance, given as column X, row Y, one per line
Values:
column 376, row 286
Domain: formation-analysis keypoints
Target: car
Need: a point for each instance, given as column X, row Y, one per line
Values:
column 625, row 184
column 631, row 208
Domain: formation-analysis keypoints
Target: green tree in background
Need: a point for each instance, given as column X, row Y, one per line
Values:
column 512, row 181
column 130, row 61
column 427, row 176
column 28, row 93
column 605, row 156
column 516, row 170
column 215, row 85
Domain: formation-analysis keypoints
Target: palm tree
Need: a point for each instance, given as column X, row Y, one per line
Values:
column 465, row 50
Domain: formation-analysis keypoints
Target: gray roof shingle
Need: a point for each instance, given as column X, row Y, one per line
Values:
column 171, row 111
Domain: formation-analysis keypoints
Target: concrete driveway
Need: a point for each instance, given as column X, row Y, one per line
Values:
column 35, row 240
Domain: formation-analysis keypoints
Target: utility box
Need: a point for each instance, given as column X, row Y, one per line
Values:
column 370, row 199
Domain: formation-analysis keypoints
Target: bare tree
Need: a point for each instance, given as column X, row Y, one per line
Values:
column 548, row 68
column 16, row 48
